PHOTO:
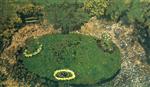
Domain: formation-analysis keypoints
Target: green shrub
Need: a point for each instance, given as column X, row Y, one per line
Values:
column 135, row 12
column 67, row 16
column 30, row 11
column 7, row 12
column 131, row 13
column 96, row 7
column 116, row 10
column 146, row 13
column 106, row 43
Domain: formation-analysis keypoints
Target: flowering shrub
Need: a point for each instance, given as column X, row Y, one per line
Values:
column 96, row 7
column 106, row 42
column 29, row 54
column 106, row 38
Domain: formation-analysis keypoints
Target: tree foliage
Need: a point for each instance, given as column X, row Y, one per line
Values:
column 96, row 7
column 8, row 17
column 67, row 16
column 139, row 13
column 146, row 14
column 116, row 10
column 6, row 12
column 135, row 12
column 7, row 22
column 30, row 10
column 131, row 13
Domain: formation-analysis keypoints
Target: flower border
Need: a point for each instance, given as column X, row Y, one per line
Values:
column 64, row 70
column 34, row 53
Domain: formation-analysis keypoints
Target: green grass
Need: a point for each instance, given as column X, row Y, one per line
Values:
column 75, row 52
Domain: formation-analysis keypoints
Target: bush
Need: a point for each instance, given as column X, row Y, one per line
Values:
column 72, row 20
column 106, row 43
column 7, row 12
column 96, row 7
column 135, row 12
column 129, row 13
column 146, row 13
column 116, row 10
column 67, row 15
column 30, row 11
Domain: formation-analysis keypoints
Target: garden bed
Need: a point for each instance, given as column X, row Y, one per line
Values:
column 77, row 53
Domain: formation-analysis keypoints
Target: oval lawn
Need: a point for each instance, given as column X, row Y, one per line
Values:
column 75, row 52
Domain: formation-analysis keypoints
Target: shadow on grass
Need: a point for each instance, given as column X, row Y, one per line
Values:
column 102, row 81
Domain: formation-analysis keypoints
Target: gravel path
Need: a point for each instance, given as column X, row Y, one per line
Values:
column 133, row 72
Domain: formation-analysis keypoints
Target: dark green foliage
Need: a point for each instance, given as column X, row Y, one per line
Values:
column 30, row 13
column 2, row 78
column 7, row 13
column 75, row 52
column 135, row 12
column 130, row 13
column 146, row 14
column 146, row 27
column 1, row 43
column 116, row 10
column 48, row 2
column 8, row 16
column 67, row 16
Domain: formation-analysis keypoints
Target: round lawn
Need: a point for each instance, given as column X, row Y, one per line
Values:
column 76, row 53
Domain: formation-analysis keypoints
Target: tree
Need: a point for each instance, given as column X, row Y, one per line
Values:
column 30, row 12
column 72, row 20
column 7, row 12
column 116, row 10
column 146, row 14
column 68, row 16
column 96, row 7
column 135, row 13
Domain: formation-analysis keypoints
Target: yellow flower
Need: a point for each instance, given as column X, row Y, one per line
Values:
column 64, row 78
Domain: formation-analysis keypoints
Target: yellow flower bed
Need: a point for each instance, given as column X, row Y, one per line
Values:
column 28, row 54
column 64, row 70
